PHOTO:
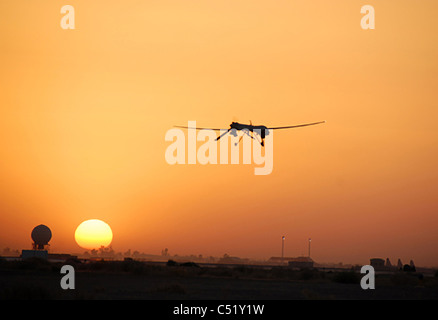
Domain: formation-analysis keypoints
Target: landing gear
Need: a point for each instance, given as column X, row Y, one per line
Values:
column 262, row 142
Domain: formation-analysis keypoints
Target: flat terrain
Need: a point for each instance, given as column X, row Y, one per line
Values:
column 36, row 279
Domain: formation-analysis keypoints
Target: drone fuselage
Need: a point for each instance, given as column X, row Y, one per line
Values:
column 262, row 130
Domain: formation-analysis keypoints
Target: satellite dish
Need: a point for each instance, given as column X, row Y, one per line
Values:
column 41, row 236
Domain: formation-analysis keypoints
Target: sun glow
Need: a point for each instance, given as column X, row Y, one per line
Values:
column 93, row 234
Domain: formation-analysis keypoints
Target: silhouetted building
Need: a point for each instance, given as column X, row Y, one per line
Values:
column 293, row 262
column 232, row 260
column 377, row 263
column 41, row 254
column 301, row 263
column 279, row 260
column 60, row 257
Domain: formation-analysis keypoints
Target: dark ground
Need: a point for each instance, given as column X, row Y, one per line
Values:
column 137, row 280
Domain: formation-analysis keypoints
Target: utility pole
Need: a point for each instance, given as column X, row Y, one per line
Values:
column 282, row 249
column 309, row 246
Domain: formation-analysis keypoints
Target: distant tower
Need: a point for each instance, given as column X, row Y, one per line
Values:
column 309, row 246
column 412, row 265
column 41, row 236
column 388, row 263
column 282, row 249
column 399, row 264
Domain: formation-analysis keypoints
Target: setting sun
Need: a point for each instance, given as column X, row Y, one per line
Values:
column 93, row 234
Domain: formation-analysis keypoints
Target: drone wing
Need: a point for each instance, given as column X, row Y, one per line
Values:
column 296, row 126
column 199, row 128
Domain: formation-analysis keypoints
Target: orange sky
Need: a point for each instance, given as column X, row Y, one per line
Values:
column 84, row 112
